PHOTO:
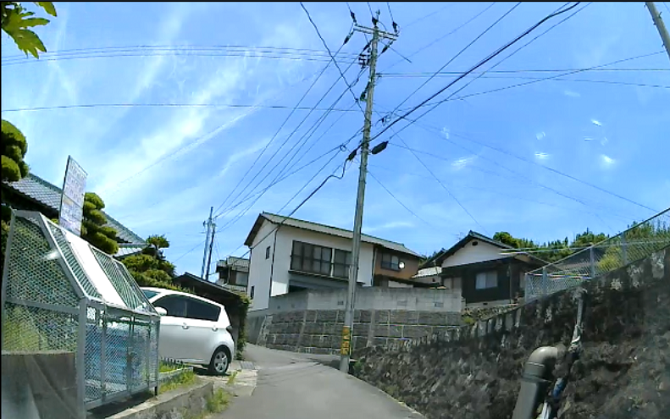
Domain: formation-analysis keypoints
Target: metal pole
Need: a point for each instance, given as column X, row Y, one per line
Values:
column 345, row 349
column 593, row 262
column 204, row 256
column 658, row 21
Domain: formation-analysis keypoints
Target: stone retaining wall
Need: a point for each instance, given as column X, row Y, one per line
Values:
column 320, row 331
column 473, row 372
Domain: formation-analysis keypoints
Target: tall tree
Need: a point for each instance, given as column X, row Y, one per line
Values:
column 150, row 268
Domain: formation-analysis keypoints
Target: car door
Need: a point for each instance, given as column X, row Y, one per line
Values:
column 203, row 329
column 171, row 340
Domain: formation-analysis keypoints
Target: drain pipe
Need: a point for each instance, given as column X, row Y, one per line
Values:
column 535, row 382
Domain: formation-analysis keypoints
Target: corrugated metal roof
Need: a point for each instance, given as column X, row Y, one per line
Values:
column 334, row 231
column 49, row 195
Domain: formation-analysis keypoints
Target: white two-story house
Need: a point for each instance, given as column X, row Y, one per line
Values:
column 289, row 255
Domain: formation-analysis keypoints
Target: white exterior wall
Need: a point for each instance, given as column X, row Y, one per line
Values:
column 472, row 254
column 260, row 268
column 285, row 238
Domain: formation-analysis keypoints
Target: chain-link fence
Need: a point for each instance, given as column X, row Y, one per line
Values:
column 77, row 331
column 638, row 242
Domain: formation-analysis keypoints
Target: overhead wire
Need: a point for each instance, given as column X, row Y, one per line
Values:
column 475, row 67
column 229, row 196
column 426, row 16
column 301, row 142
column 452, row 59
column 559, row 11
column 433, row 42
column 331, row 176
column 174, row 105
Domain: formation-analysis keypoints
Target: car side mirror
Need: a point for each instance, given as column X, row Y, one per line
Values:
column 161, row 311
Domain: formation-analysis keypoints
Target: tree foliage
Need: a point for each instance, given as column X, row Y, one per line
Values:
column 149, row 268
column 16, row 21
column 93, row 228
column 553, row 250
column 14, row 149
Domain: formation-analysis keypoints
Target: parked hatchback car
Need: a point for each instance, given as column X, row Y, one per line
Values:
column 194, row 330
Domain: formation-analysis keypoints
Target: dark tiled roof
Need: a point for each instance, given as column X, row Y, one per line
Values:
column 49, row 195
column 322, row 228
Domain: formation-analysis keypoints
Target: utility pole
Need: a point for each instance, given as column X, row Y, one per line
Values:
column 345, row 349
column 211, row 245
column 208, row 224
column 656, row 16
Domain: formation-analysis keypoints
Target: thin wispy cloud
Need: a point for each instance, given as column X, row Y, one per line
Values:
column 606, row 161
column 596, row 122
column 541, row 155
column 571, row 93
column 540, row 135
column 463, row 162
column 389, row 226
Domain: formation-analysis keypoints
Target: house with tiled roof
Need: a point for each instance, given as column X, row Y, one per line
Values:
column 485, row 271
column 33, row 193
column 291, row 255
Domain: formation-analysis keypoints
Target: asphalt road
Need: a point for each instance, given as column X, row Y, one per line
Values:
column 301, row 386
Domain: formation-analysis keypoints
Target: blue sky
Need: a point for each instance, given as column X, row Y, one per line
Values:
column 159, row 168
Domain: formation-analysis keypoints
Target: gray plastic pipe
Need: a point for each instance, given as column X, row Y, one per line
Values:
column 536, row 379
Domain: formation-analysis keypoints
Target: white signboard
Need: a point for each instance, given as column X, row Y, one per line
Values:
column 72, row 198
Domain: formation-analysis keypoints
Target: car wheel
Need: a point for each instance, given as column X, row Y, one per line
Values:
column 220, row 362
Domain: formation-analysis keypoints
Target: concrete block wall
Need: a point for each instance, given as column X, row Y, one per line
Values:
column 320, row 331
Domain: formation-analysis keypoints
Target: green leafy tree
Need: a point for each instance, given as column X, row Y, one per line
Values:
column 149, row 268
column 17, row 21
column 93, row 228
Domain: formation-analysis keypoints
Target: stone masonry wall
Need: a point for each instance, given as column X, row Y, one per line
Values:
column 320, row 331
column 473, row 372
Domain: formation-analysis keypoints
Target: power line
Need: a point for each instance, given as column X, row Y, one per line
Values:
column 174, row 105
column 459, row 53
column 390, row 12
column 441, row 184
column 398, row 200
column 481, row 63
column 443, row 36
column 543, row 79
column 426, row 16
column 301, row 141
column 331, row 176
column 318, row 33
column 558, row 11
column 456, row 73
column 612, row 82
column 500, row 150
column 506, row 194
column 277, row 133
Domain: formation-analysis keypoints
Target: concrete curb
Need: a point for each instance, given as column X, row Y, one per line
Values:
column 171, row 404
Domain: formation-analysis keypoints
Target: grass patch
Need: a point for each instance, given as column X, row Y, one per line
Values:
column 166, row 366
column 219, row 401
column 231, row 379
column 186, row 379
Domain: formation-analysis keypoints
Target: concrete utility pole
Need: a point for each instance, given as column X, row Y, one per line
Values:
column 345, row 350
column 656, row 16
column 211, row 245
column 208, row 224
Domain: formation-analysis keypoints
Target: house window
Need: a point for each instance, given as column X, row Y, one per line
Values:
column 267, row 252
column 252, row 292
column 320, row 260
column 390, row 261
column 341, row 264
column 486, row 280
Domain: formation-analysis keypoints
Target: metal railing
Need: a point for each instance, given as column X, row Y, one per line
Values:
column 638, row 242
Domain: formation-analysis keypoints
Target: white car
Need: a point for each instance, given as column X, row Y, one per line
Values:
column 193, row 329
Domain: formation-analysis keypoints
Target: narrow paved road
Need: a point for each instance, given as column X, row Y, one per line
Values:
column 302, row 386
